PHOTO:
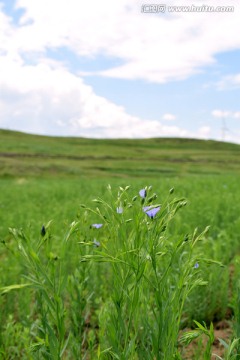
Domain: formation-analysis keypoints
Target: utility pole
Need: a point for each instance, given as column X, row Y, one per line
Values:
column 224, row 128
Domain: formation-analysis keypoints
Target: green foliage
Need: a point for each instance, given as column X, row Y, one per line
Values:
column 200, row 331
column 15, row 340
column 153, row 275
column 231, row 350
column 121, row 291
column 115, row 285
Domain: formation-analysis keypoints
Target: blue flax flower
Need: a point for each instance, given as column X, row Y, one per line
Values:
column 96, row 243
column 150, row 211
column 97, row 226
column 143, row 193
column 119, row 210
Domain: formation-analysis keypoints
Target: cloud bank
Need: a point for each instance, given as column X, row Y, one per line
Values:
column 40, row 94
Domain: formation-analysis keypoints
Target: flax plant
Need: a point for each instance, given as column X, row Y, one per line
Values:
column 45, row 274
column 153, row 274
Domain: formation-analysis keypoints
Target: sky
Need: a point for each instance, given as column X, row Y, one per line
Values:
column 121, row 69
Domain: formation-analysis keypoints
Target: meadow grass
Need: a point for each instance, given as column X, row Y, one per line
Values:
column 84, row 279
column 29, row 204
column 143, row 297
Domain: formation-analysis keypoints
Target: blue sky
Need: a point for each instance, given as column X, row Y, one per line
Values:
column 108, row 70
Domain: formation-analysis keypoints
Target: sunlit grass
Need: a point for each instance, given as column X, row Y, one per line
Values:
column 114, row 284
column 118, row 277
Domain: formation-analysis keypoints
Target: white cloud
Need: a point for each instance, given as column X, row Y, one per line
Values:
column 236, row 115
column 44, row 96
column 54, row 101
column 155, row 48
column 204, row 132
column 169, row 117
column 223, row 114
column 40, row 99
column 229, row 82
column 220, row 113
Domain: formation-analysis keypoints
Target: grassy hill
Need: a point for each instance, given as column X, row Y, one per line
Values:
column 31, row 155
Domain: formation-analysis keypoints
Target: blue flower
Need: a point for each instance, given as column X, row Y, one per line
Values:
column 96, row 243
column 143, row 193
column 97, row 226
column 119, row 210
column 150, row 211
column 196, row 266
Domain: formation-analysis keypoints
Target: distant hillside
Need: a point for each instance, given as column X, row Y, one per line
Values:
column 24, row 155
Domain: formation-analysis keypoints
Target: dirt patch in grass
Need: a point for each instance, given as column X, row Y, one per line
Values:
column 195, row 350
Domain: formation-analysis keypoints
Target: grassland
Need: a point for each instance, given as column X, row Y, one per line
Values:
column 30, row 155
column 47, row 178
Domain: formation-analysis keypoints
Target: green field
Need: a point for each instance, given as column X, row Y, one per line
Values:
column 82, row 301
